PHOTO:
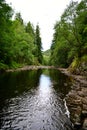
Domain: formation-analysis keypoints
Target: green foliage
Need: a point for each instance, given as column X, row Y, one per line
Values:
column 5, row 33
column 30, row 29
column 84, row 58
column 70, row 36
column 19, row 43
column 3, row 66
column 19, row 18
column 46, row 57
column 39, row 45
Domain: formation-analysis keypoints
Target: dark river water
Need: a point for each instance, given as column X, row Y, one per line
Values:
column 34, row 100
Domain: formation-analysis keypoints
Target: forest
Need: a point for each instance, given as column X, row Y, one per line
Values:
column 21, row 44
column 69, row 45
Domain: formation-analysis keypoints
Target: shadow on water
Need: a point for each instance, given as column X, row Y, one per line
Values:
column 33, row 100
column 14, row 84
column 61, row 82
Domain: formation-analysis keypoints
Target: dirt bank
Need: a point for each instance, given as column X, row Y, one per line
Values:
column 77, row 100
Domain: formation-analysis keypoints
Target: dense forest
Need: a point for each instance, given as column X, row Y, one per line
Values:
column 69, row 45
column 20, row 43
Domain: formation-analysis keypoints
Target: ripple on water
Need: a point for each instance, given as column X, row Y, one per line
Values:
column 39, row 109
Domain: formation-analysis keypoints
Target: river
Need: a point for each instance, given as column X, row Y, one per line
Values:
column 34, row 100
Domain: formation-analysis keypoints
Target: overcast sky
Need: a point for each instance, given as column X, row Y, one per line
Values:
column 44, row 12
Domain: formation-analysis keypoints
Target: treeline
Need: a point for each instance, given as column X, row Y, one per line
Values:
column 69, row 45
column 19, row 43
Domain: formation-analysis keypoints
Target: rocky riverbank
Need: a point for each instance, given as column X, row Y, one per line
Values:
column 76, row 100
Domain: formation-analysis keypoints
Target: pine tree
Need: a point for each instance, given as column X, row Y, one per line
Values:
column 39, row 44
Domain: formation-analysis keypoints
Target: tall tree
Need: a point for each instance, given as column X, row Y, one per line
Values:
column 19, row 17
column 5, row 32
column 30, row 29
column 39, row 44
column 23, row 43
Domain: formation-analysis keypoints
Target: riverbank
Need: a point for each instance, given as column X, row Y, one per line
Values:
column 76, row 100
column 32, row 67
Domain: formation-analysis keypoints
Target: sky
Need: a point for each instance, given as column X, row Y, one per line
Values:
column 42, row 12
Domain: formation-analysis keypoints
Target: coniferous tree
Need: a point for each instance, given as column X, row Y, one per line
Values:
column 19, row 18
column 39, row 44
column 30, row 29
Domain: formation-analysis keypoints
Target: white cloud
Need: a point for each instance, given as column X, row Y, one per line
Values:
column 44, row 12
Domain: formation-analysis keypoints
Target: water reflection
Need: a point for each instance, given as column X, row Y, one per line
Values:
column 38, row 106
column 44, row 86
